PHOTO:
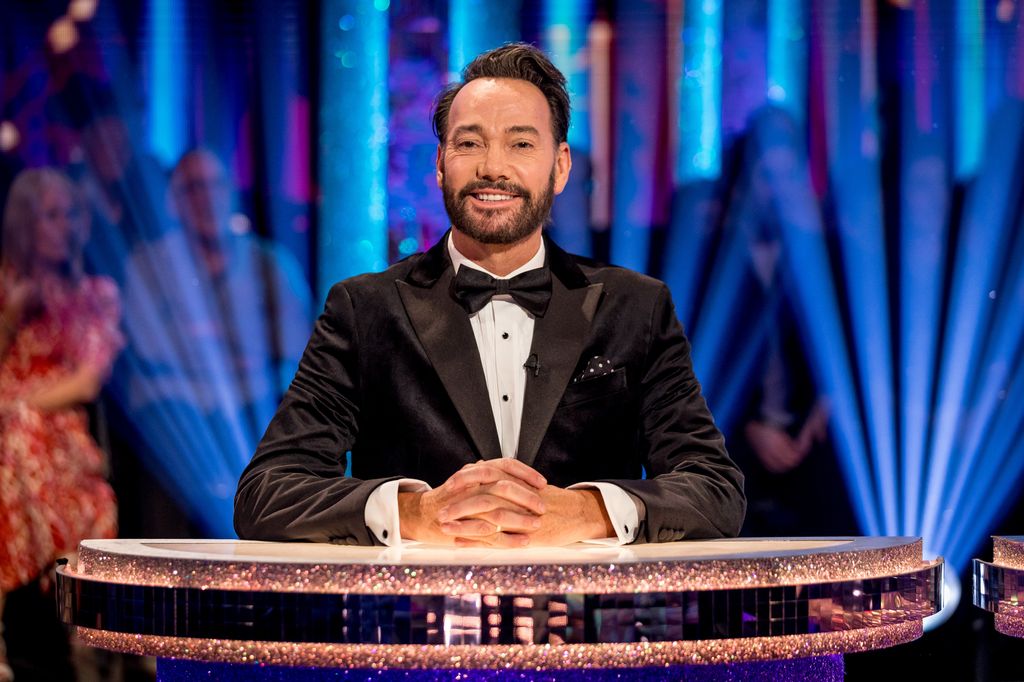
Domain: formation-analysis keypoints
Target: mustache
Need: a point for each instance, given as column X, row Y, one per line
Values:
column 500, row 185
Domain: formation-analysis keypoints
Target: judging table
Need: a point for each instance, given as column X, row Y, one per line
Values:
column 999, row 584
column 200, row 605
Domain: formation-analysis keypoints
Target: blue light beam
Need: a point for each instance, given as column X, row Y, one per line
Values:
column 353, row 141
column 166, row 100
column 699, row 89
column 983, row 237
column 475, row 26
column 969, row 84
column 564, row 38
column 787, row 55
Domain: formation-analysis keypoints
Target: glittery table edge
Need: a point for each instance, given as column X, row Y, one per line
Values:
column 518, row 657
column 1009, row 625
column 644, row 576
column 1008, row 551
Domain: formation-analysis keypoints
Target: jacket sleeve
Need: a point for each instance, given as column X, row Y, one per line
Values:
column 693, row 489
column 295, row 488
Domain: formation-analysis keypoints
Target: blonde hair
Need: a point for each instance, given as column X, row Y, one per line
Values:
column 22, row 215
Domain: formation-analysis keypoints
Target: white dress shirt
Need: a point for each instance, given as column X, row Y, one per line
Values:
column 504, row 335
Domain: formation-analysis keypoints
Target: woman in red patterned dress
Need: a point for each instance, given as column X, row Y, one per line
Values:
column 59, row 336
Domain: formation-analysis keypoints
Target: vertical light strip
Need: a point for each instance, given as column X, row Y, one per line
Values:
column 969, row 82
column 353, row 143
column 165, row 108
column 599, row 42
column 639, row 96
column 699, row 89
column 787, row 55
column 475, row 26
column 564, row 38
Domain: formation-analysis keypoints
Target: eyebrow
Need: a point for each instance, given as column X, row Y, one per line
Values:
column 511, row 130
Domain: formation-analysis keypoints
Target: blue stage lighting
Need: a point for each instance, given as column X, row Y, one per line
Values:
column 692, row 226
column 969, row 84
column 819, row 306
column 787, row 55
column 166, row 100
column 564, row 38
column 924, row 211
column 982, row 242
column 857, row 181
column 722, row 299
column 699, row 90
column 475, row 26
column 727, row 401
column 986, row 443
column 353, row 141
column 639, row 67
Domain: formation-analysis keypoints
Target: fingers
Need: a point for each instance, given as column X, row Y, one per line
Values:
column 500, row 495
column 490, row 523
column 502, row 540
column 494, row 470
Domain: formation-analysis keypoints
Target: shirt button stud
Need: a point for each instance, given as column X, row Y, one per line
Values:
column 505, row 398
column 504, row 335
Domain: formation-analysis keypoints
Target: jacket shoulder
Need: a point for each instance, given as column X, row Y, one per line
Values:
column 619, row 278
column 370, row 282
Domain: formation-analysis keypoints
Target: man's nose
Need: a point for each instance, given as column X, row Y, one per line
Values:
column 493, row 165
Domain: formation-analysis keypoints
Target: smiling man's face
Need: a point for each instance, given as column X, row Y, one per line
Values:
column 499, row 166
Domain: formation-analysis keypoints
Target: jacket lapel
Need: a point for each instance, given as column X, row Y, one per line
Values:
column 557, row 343
column 443, row 328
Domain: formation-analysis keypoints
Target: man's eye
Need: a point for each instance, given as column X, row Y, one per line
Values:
column 465, row 144
column 524, row 145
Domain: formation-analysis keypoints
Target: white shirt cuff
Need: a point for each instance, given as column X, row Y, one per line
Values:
column 621, row 510
column 381, row 511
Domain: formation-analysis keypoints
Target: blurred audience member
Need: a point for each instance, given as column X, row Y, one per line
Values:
column 123, row 188
column 794, row 486
column 59, row 337
column 218, row 319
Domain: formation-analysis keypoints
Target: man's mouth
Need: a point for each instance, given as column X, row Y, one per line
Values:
column 492, row 197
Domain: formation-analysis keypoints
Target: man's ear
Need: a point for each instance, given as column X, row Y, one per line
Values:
column 439, row 165
column 563, row 164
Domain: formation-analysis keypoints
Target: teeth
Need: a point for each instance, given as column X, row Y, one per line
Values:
column 492, row 197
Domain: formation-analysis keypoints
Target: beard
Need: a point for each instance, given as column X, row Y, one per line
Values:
column 493, row 227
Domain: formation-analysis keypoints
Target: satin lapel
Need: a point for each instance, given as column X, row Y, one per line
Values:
column 557, row 343
column 444, row 330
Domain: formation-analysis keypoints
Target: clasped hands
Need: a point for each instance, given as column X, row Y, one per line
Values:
column 502, row 503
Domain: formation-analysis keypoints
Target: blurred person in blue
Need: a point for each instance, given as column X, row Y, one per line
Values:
column 217, row 319
column 794, row 485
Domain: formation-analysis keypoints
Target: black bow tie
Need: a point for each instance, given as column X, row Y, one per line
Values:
column 532, row 289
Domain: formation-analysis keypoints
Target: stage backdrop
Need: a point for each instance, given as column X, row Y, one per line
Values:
column 832, row 190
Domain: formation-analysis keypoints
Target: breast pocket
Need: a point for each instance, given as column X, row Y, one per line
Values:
column 587, row 390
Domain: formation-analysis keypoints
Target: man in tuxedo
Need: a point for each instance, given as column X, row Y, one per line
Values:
column 495, row 390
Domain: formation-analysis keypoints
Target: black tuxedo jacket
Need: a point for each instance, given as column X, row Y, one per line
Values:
column 392, row 373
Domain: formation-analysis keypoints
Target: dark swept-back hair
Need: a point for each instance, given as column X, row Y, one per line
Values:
column 513, row 60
